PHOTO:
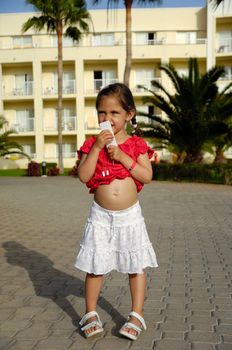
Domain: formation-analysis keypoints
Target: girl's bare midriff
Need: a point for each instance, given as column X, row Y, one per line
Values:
column 118, row 195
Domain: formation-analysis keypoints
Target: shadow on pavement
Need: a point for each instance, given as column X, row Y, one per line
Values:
column 52, row 283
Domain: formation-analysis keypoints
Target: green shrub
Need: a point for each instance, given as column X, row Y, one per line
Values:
column 209, row 173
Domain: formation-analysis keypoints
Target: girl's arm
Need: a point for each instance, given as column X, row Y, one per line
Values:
column 88, row 161
column 87, row 164
column 142, row 170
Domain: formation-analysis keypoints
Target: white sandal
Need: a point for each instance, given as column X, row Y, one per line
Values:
column 133, row 326
column 96, row 323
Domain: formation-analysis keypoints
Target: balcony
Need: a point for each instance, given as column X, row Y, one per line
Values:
column 146, row 83
column 68, row 124
column 68, row 88
column 98, row 84
column 65, row 155
column 23, row 90
column 26, row 125
column 225, row 45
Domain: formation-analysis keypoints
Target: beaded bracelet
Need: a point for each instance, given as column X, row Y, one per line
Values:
column 132, row 165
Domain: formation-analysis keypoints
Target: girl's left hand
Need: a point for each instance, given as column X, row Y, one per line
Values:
column 115, row 153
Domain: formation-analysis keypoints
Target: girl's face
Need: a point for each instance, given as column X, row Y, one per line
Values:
column 110, row 109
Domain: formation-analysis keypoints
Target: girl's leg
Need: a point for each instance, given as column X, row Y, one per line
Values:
column 137, row 288
column 93, row 284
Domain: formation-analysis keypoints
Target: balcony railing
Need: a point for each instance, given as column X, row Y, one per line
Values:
column 146, row 83
column 91, row 126
column 23, row 90
column 68, row 124
column 65, row 155
column 68, row 88
column 226, row 47
column 25, row 126
column 41, row 41
column 98, row 84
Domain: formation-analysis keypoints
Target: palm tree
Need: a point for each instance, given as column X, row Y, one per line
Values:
column 222, row 142
column 216, row 3
column 128, row 7
column 57, row 16
column 195, row 114
column 8, row 146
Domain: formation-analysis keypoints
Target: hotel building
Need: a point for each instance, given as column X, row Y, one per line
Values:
column 28, row 68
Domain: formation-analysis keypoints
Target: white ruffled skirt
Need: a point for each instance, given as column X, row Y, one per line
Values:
column 115, row 240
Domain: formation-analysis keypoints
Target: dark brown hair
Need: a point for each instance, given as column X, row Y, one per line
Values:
column 125, row 98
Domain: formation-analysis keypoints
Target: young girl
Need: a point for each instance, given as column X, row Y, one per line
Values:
column 115, row 236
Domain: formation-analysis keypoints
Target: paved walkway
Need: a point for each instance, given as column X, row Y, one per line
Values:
column 189, row 297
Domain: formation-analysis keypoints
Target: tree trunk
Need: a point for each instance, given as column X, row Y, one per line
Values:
column 219, row 157
column 59, row 31
column 194, row 157
column 126, row 77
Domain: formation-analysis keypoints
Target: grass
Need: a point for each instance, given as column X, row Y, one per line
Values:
column 22, row 172
column 13, row 172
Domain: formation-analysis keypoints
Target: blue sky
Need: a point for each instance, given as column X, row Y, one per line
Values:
column 9, row 6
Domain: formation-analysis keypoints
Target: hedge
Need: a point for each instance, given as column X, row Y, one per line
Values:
column 208, row 173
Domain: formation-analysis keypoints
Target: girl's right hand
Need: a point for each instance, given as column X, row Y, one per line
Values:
column 103, row 139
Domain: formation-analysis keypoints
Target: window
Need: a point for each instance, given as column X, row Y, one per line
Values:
column 24, row 120
column 186, row 37
column 182, row 71
column 66, row 41
column 22, row 41
column 145, row 109
column 103, row 39
column 103, row 78
column 68, row 82
column 144, row 77
column 68, row 119
column 145, row 38
column 225, row 41
column 228, row 73
column 23, row 84
column 69, row 150
column 29, row 150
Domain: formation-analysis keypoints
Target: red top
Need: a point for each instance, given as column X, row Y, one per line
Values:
column 106, row 169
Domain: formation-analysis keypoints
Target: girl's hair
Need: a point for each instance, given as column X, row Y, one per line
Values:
column 125, row 98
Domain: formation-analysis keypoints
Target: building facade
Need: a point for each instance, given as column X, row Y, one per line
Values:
column 28, row 68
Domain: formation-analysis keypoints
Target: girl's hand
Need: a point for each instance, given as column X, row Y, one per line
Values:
column 103, row 138
column 115, row 153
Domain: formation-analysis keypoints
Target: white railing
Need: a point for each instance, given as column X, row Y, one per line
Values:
column 68, row 124
column 68, row 88
column 65, row 155
column 26, row 126
column 91, row 126
column 37, row 42
column 24, row 90
column 98, row 84
column 225, row 47
column 146, row 83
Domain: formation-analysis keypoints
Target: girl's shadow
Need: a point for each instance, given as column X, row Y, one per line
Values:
column 51, row 283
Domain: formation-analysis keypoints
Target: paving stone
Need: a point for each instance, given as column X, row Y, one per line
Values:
column 5, row 343
column 23, row 345
column 38, row 331
column 171, row 344
column 112, row 343
column 188, row 296
column 7, row 313
column 224, row 346
column 202, row 346
column 54, row 342
column 224, row 329
column 208, row 337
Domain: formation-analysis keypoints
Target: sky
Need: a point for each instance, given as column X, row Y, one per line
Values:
column 11, row 6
